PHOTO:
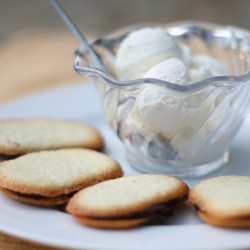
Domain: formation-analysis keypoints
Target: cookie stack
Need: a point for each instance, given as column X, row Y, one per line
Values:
column 57, row 163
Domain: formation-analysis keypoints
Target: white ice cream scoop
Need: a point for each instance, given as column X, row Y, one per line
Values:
column 160, row 109
column 142, row 49
column 172, row 70
column 203, row 67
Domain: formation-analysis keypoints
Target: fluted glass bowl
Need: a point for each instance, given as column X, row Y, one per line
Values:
column 206, row 115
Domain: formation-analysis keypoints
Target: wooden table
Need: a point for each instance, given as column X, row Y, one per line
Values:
column 30, row 62
column 34, row 61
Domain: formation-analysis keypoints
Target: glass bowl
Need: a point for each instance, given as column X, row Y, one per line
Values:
column 206, row 116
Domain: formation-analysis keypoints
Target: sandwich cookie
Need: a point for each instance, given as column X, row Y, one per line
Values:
column 223, row 201
column 49, row 178
column 127, row 201
column 19, row 137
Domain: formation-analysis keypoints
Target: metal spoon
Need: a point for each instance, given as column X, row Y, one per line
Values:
column 75, row 30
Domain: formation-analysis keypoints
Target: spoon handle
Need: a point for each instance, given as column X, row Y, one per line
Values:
column 75, row 30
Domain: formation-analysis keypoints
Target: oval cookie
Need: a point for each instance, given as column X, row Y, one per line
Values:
column 127, row 199
column 223, row 201
column 52, row 177
column 19, row 137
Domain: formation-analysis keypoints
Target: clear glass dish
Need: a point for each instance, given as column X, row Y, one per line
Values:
column 210, row 111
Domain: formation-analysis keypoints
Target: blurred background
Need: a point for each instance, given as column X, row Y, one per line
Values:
column 105, row 15
column 36, row 49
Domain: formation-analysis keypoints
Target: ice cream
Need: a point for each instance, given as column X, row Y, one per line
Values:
column 171, row 70
column 143, row 49
column 203, row 67
column 181, row 120
column 161, row 110
column 158, row 107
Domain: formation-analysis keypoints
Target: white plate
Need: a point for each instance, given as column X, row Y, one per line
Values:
column 53, row 227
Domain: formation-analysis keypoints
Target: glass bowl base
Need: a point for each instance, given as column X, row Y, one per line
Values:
column 146, row 166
